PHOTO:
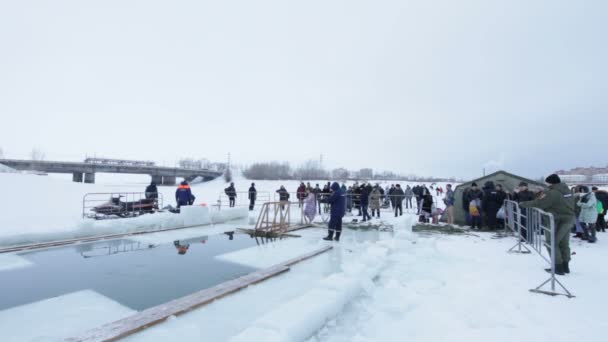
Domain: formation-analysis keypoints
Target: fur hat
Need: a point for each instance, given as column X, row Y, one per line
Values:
column 553, row 179
column 474, row 184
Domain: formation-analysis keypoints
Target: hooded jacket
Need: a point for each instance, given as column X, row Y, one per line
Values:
column 558, row 201
column 337, row 201
column 588, row 204
column 183, row 194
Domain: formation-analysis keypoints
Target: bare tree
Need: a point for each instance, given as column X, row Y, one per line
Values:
column 268, row 170
column 37, row 154
column 311, row 170
column 228, row 175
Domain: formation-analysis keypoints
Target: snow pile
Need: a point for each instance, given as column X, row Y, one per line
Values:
column 58, row 318
column 189, row 216
column 302, row 316
column 6, row 169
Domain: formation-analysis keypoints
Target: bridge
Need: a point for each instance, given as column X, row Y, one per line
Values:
column 86, row 171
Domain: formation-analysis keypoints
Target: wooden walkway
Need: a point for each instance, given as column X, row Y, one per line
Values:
column 147, row 318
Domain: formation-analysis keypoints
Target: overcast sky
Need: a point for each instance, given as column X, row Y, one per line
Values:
column 430, row 87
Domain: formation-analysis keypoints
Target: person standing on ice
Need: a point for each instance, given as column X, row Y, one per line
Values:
column 183, row 195
column 558, row 200
column 283, row 196
column 364, row 201
column 588, row 214
column 301, row 194
column 310, row 207
column 376, row 197
column 337, row 200
column 399, row 197
column 231, row 193
column 253, row 195
column 317, row 191
column 449, row 201
column 152, row 191
column 409, row 194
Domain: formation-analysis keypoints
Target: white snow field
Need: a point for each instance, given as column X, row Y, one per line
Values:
column 373, row 286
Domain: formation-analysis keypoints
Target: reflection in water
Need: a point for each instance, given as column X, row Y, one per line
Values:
column 113, row 247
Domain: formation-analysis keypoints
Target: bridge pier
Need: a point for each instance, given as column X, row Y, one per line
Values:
column 89, row 178
column 158, row 180
column 77, row 177
column 169, row 180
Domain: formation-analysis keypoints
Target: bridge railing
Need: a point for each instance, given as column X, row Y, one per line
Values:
column 108, row 205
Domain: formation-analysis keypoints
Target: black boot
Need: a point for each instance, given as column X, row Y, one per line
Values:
column 337, row 238
column 566, row 267
column 330, row 236
column 559, row 269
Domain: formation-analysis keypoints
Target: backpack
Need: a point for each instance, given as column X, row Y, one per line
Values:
column 600, row 207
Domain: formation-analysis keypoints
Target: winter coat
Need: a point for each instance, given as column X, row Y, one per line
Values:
column 364, row 196
column 398, row 195
column 409, row 193
column 602, row 196
column 427, row 204
column 337, row 200
column 588, row 204
column 283, row 195
column 557, row 201
column 183, row 195
column 449, row 199
column 151, row 192
column 375, row 199
column 470, row 195
column 301, row 192
column 253, row 193
column 524, row 196
column 230, row 192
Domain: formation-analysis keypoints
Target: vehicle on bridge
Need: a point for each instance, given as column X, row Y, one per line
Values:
column 119, row 162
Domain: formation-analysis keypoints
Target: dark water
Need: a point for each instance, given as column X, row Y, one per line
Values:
column 134, row 274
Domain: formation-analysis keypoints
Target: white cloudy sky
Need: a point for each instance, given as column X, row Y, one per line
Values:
column 417, row 86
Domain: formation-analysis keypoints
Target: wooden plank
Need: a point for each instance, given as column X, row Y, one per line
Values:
column 150, row 317
column 124, row 327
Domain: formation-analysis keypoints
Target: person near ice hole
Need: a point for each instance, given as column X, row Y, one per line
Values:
column 253, row 194
column 183, row 195
column 231, row 193
column 152, row 191
column 337, row 200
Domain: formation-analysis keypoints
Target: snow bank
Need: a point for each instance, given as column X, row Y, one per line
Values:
column 6, row 169
column 12, row 261
column 301, row 317
column 189, row 216
column 61, row 317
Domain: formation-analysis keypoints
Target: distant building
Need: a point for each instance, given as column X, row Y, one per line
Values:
column 573, row 178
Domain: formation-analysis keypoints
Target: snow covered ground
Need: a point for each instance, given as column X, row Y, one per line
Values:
column 36, row 207
column 389, row 286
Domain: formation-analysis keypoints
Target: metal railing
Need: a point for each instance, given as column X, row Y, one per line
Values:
column 276, row 217
column 242, row 199
column 535, row 228
column 107, row 205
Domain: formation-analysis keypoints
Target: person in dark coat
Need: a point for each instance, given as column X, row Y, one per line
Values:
column 301, row 194
column 152, row 191
column 418, row 194
column 325, row 193
column 364, row 200
column 523, row 194
column 317, row 191
column 253, row 195
column 399, row 196
column 391, row 195
column 283, row 196
column 337, row 201
column 231, row 193
column 183, row 195
column 469, row 195
column 490, row 204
